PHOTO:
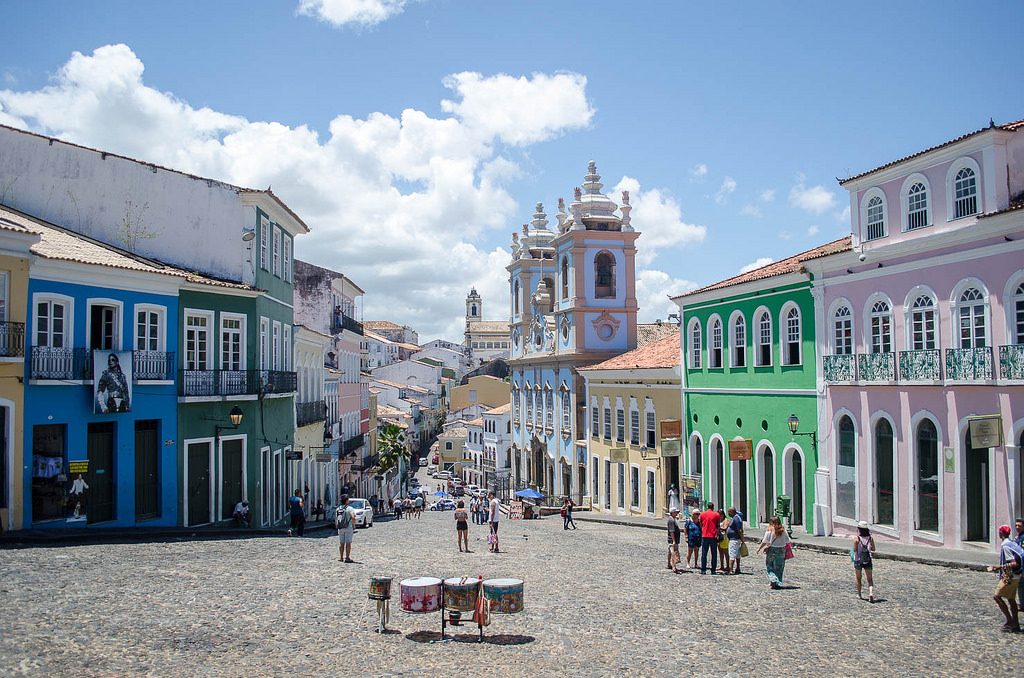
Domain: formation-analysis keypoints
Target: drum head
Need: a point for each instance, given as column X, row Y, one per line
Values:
column 417, row 582
column 503, row 583
column 458, row 581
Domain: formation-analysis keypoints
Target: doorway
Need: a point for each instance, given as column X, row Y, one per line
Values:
column 884, row 481
column 719, row 462
column 231, row 476
column 741, row 491
column 147, row 476
column 976, row 471
column 197, row 484
column 100, row 445
column 671, row 476
column 796, row 491
column 767, row 483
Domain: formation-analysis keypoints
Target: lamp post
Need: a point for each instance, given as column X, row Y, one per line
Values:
column 235, row 415
column 794, row 425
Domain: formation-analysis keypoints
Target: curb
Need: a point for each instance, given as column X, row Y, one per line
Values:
column 823, row 548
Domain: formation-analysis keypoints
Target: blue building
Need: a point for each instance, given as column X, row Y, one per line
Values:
column 573, row 303
column 100, row 397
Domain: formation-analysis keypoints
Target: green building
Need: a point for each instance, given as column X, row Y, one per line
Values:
column 748, row 364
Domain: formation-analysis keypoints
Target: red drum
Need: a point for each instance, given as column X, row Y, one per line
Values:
column 421, row 594
column 460, row 593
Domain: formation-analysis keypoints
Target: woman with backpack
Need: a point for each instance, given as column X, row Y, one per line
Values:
column 344, row 522
column 863, row 548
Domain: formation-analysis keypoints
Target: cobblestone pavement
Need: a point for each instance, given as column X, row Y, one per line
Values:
column 599, row 601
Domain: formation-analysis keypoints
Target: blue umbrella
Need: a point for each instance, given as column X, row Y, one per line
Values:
column 441, row 494
column 529, row 493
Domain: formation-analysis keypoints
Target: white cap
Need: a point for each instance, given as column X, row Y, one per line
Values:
column 863, row 524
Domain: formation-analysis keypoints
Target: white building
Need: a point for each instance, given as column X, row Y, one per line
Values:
column 380, row 351
column 496, row 464
column 485, row 339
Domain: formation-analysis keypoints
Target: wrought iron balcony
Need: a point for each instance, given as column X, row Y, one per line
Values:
column 925, row 365
column 12, row 340
column 71, row 364
column 310, row 413
column 152, row 365
column 876, row 366
column 215, row 383
column 969, row 363
column 353, row 444
column 840, row 368
column 344, row 322
column 1011, row 361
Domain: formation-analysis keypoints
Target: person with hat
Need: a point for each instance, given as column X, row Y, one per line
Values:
column 863, row 548
column 242, row 515
column 1011, row 557
column 693, row 538
column 673, row 539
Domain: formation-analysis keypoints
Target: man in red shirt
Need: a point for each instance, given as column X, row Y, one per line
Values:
column 709, row 521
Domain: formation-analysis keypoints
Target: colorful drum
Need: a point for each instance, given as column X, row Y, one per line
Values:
column 460, row 593
column 421, row 594
column 504, row 596
column 380, row 588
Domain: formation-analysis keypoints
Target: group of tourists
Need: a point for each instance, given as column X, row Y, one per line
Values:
column 492, row 516
column 478, row 509
column 1009, row 595
column 407, row 507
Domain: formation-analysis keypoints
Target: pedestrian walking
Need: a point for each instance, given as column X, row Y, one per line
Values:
column 493, row 517
column 407, row 508
column 673, row 539
column 566, row 513
column 474, row 510
column 1011, row 557
column 861, row 554
column 723, row 542
column 461, row 527
column 735, row 535
column 397, row 505
column 673, row 498
column 297, row 513
column 1019, row 539
column 344, row 522
column 692, row 538
column 777, row 549
column 709, row 521
column 418, row 505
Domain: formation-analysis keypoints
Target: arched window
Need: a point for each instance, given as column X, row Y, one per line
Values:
column 515, row 298
column 472, row 310
column 697, row 457
column 739, row 341
column 842, row 331
column 846, row 469
column 791, row 349
column 715, row 347
column 696, row 344
column 764, row 340
column 917, row 206
column 927, row 476
column 566, row 408
column 881, row 327
column 965, row 193
column 884, row 485
column 1017, row 328
column 565, row 277
column 922, row 324
column 604, row 276
column 971, row 316
column 549, row 407
column 528, row 402
column 875, row 218
column 538, row 406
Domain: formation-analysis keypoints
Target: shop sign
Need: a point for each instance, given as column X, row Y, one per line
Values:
column 689, row 490
column 671, row 428
column 671, row 448
column 948, row 460
column 515, row 510
column 293, row 455
column 323, row 458
column 619, row 455
column 986, row 431
column 741, row 450
column 78, row 490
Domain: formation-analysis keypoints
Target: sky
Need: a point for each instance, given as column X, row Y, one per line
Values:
column 414, row 136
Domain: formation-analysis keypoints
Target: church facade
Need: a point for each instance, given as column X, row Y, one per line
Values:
column 485, row 339
column 573, row 304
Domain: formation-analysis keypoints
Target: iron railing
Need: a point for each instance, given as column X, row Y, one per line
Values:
column 924, row 365
column 345, row 322
column 353, row 444
column 213, row 383
column 310, row 413
column 839, row 368
column 60, row 363
column 1011, row 361
column 876, row 366
column 152, row 365
column 969, row 363
column 12, row 340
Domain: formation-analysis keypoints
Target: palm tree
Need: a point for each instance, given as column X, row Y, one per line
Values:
column 392, row 450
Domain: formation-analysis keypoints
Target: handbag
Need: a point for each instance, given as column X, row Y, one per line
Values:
column 789, row 551
column 744, row 551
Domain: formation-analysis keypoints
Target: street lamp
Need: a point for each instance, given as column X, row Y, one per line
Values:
column 794, row 425
column 235, row 416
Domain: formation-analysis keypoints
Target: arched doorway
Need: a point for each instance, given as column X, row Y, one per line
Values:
column 884, row 481
column 794, row 483
column 696, row 456
column 718, row 490
column 740, row 488
column 928, row 477
column 767, row 463
column 976, row 478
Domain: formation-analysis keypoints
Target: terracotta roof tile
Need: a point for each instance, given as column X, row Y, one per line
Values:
column 658, row 354
column 648, row 332
column 788, row 265
column 381, row 325
column 501, row 409
column 479, row 421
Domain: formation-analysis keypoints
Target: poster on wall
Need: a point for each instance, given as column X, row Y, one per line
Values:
column 112, row 381
column 78, row 490
column 689, row 490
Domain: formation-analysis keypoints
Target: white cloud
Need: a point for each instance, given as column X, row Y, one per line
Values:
column 699, row 171
column 750, row 211
column 813, row 199
column 767, row 195
column 653, row 289
column 398, row 203
column 728, row 186
column 659, row 219
column 785, row 235
column 756, row 264
column 340, row 13
column 844, row 215
column 812, row 230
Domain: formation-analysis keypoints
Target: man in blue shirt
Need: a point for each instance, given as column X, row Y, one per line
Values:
column 735, row 534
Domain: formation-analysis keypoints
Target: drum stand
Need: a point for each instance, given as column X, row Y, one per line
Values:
column 444, row 617
column 383, row 614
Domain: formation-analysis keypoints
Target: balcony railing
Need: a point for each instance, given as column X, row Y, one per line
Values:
column 213, row 383
column 876, row 366
column 840, row 368
column 12, row 340
column 152, row 365
column 969, row 363
column 310, row 413
column 1011, row 361
column 925, row 365
column 344, row 322
column 353, row 444
column 72, row 364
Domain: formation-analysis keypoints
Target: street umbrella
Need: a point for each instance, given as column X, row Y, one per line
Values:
column 441, row 494
column 529, row 493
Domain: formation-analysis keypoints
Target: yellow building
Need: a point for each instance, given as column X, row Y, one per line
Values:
column 451, row 447
column 15, row 242
column 478, row 395
column 632, row 400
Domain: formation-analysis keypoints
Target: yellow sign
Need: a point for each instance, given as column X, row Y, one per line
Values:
column 986, row 431
column 619, row 455
column 78, row 466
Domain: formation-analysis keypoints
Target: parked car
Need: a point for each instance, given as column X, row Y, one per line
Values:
column 443, row 505
column 423, row 461
column 444, row 475
column 363, row 512
column 472, row 490
column 459, row 491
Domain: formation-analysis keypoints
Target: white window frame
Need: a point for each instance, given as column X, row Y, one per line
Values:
column 908, row 315
column 634, row 487
column 869, row 326
column 606, row 420
column 784, row 338
column 713, row 322
column 118, row 320
column 909, row 183
column 265, row 227
column 275, row 254
column 873, row 192
column 595, row 419
column 1011, row 297
column 211, row 350
column 834, row 319
column 220, row 338
column 735, row 344
column 286, row 348
column 286, row 257
column 634, row 422
column 954, row 169
column 264, row 343
column 696, row 336
column 955, row 304
column 566, row 407
column 69, row 314
column 620, row 422
column 650, row 425
column 5, row 297
column 161, row 328
column 759, row 314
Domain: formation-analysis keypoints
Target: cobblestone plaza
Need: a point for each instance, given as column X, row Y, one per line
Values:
column 599, row 601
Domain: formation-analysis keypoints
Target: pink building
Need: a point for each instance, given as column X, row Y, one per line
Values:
column 923, row 328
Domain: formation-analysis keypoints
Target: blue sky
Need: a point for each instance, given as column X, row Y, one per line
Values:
column 731, row 121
